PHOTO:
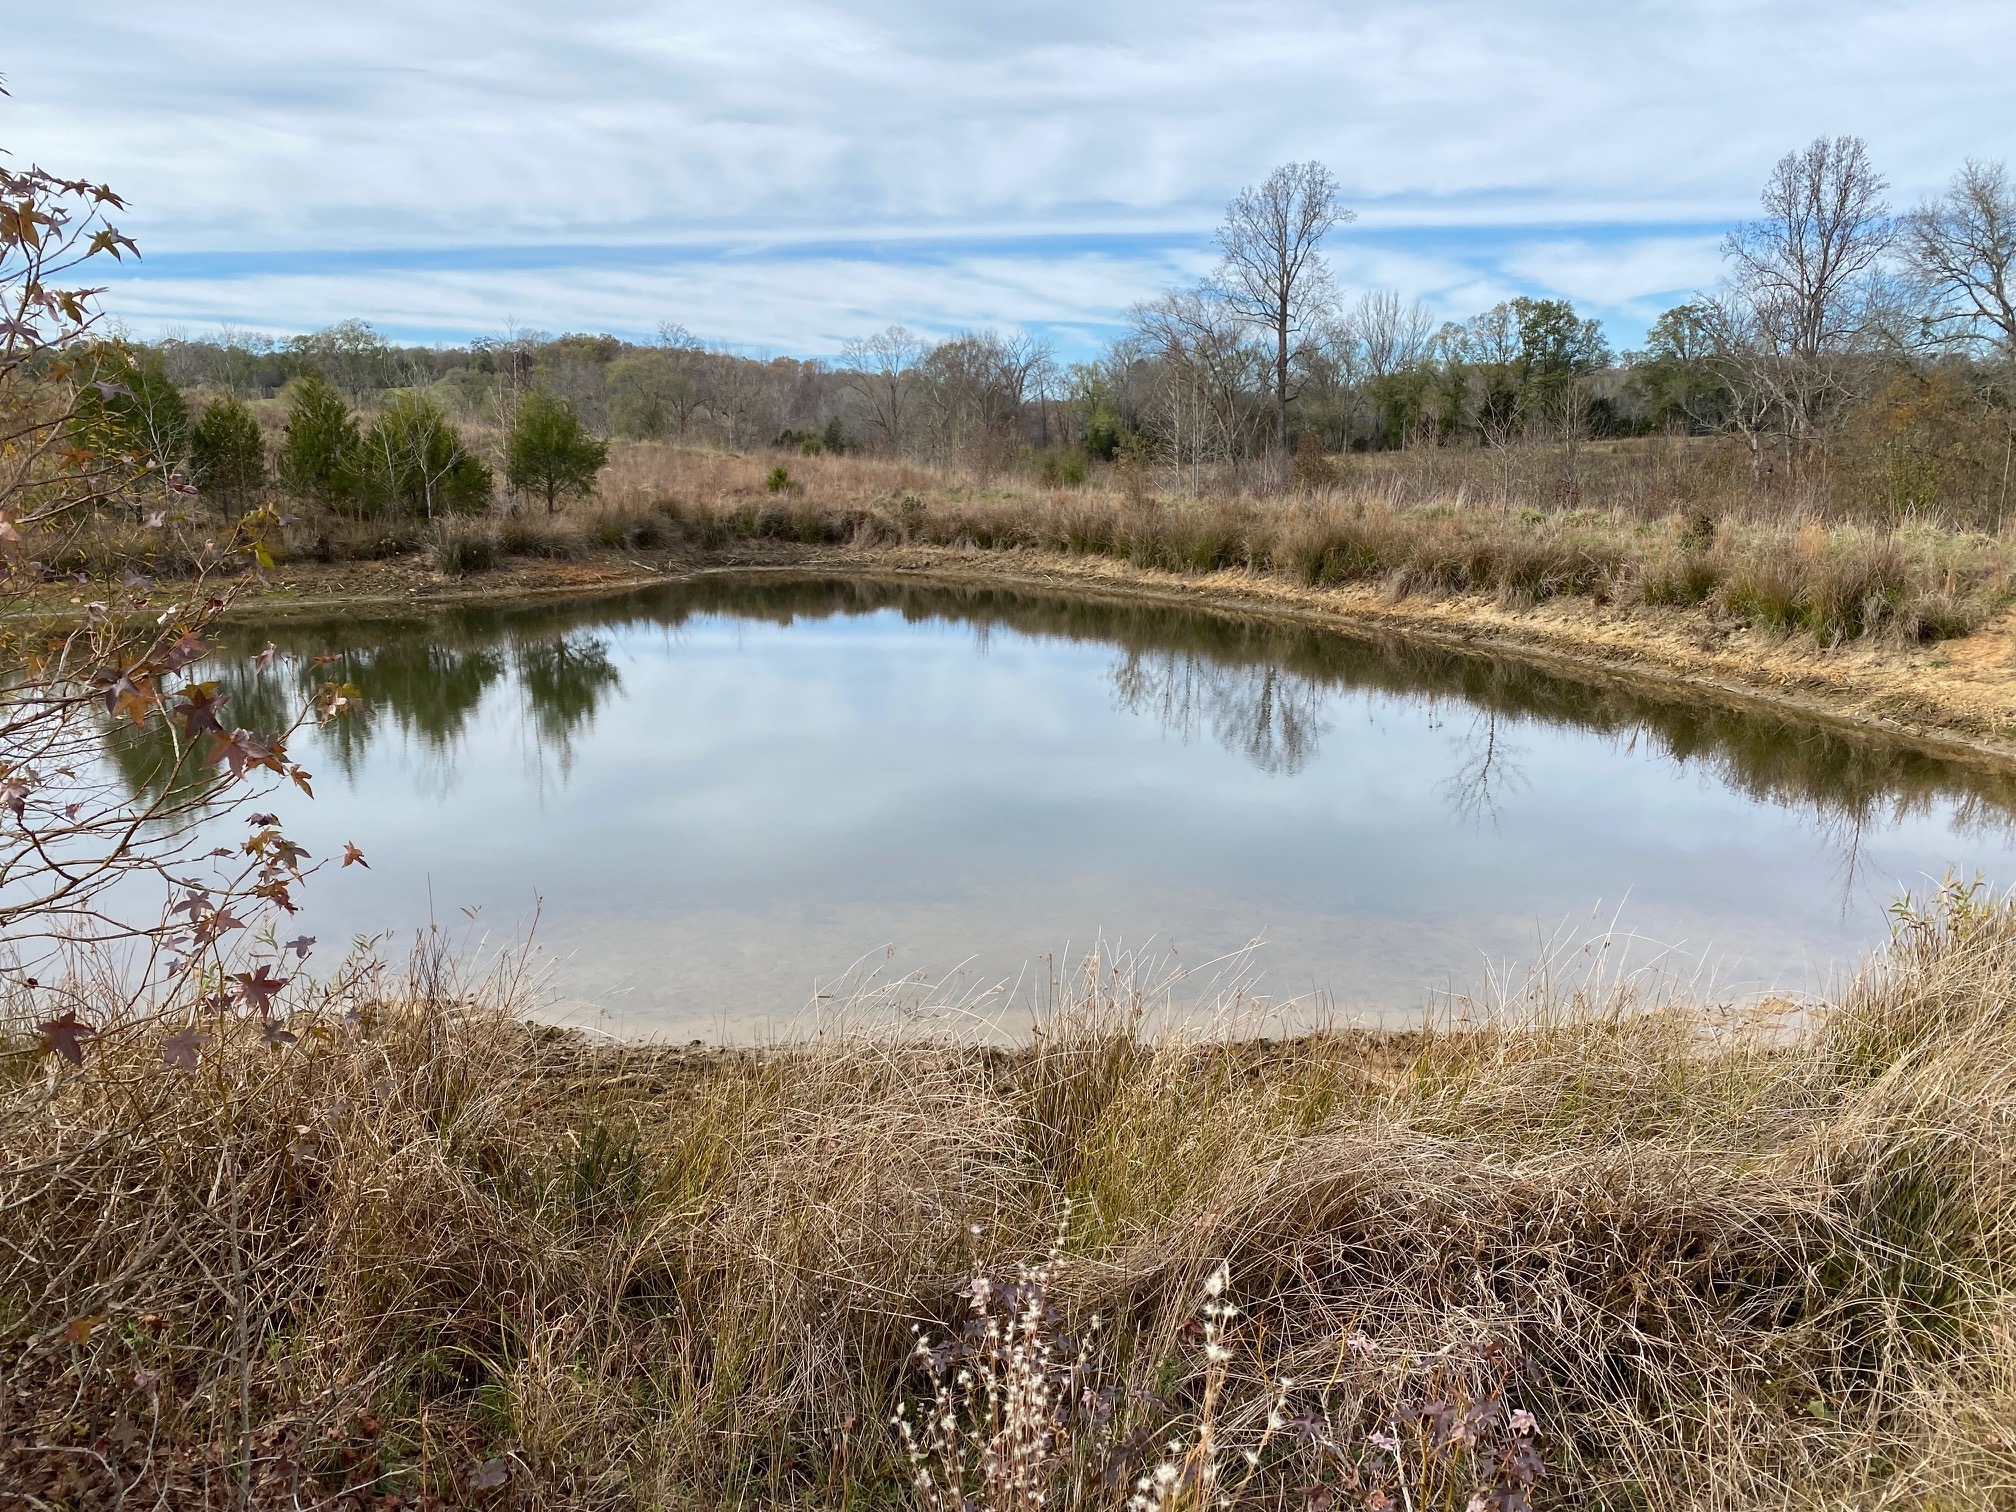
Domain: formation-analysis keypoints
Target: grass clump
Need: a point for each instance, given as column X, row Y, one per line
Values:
column 460, row 550
column 1597, row 1253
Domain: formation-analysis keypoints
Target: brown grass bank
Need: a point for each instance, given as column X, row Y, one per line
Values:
column 431, row 1256
column 1906, row 628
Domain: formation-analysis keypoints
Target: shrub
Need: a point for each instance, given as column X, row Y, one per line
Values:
column 226, row 454
column 779, row 480
column 536, row 536
column 549, row 452
column 1062, row 466
column 459, row 551
column 321, row 444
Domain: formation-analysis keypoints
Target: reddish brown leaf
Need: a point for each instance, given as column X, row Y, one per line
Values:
column 63, row 1035
column 354, row 856
column 257, row 989
column 184, row 1048
column 198, row 709
column 187, row 648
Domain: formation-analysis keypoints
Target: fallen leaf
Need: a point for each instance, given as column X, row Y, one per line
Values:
column 490, row 1475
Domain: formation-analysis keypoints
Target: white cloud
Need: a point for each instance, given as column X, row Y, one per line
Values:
column 448, row 124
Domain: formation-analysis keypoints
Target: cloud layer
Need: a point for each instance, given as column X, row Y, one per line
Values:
column 786, row 172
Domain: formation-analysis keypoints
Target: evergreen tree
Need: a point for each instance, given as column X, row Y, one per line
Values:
column 316, row 458
column 135, row 409
column 226, row 453
column 412, row 461
column 550, row 452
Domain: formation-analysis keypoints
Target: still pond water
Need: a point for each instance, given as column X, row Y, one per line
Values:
column 726, row 800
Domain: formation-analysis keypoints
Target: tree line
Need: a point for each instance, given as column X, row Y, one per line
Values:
column 1840, row 329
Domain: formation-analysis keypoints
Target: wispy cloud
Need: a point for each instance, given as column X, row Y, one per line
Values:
column 784, row 171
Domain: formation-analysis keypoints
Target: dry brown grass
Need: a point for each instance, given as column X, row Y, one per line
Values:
column 1835, row 583
column 433, row 1251
column 1421, row 534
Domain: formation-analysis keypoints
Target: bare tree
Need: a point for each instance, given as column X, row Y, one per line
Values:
column 1272, row 272
column 1808, row 271
column 975, row 386
column 740, row 395
column 1387, row 335
column 1962, row 246
column 1208, row 368
column 880, row 371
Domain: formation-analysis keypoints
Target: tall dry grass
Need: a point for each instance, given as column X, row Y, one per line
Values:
column 432, row 1251
column 1907, row 581
column 1833, row 582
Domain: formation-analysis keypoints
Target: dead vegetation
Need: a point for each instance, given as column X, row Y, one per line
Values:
column 429, row 1254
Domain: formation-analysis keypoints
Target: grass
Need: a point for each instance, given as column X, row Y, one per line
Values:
column 1773, row 569
column 432, row 1250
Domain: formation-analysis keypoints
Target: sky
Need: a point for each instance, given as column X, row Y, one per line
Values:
column 781, row 175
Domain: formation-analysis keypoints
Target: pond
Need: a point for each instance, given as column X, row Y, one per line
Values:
column 728, row 799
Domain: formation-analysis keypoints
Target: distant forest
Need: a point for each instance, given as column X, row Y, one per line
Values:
column 1843, row 333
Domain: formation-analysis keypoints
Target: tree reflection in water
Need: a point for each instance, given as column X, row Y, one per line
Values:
column 1262, row 689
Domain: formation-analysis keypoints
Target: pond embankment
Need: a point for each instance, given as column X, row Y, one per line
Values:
column 1956, row 695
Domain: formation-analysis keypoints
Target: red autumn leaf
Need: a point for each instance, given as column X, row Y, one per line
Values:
column 257, row 989
column 198, row 709
column 265, row 658
column 188, row 648
column 300, row 945
column 63, row 1035
column 14, row 798
column 354, row 856
column 241, row 751
column 214, row 925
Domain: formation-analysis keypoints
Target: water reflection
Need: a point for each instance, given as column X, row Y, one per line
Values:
column 716, row 795
column 1258, row 688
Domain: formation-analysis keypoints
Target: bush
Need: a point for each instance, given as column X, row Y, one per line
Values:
column 779, row 480
column 1062, row 466
column 412, row 461
column 549, row 452
column 226, row 453
column 459, row 551
column 537, row 536
column 321, row 444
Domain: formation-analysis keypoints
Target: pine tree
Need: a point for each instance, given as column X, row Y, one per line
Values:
column 226, row 453
column 550, row 452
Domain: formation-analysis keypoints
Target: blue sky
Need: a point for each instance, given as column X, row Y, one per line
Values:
column 783, row 174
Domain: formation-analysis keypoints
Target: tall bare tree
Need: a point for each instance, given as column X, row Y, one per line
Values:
column 1272, row 272
column 1962, row 245
column 1808, row 272
column 1387, row 335
column 1806, row 262
column 880, row 370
